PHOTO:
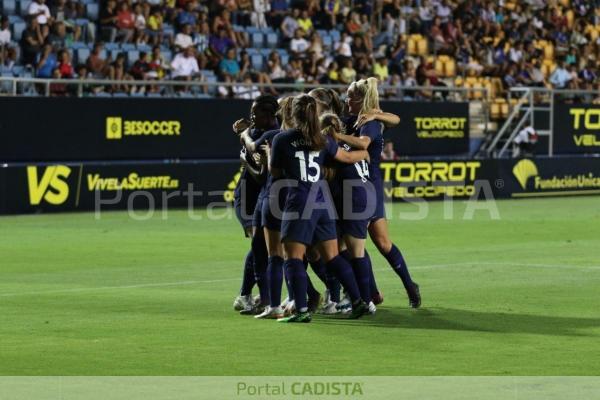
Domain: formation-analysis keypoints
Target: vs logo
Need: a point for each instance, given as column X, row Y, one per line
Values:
column 52, row 186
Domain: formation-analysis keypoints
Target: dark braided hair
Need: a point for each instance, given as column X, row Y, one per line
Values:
column 267, row 103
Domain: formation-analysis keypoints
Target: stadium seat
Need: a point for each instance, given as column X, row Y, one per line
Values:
column 265, row 53
column 327, row 42
column 82, row 55
column 9, row 7
column 144, row 47
column 257, row 61
column 212, row 89
column 15, row 18
column 111, row 46
column 127, row 46
column 335, row 35
column 91, row 10
column 132, row 57
column 258, row 40
column 252, row 30
column 103, row 94
column 272, row 40
column 17, row 30
column 137, row 94
column 120, row 94
column 79, row 45
column 23, row 7
column 167, row 55
column 154, row 95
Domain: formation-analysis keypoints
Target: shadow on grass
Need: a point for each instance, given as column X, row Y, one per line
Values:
column 465, row 320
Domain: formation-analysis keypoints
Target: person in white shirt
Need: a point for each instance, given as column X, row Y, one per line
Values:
column 184, row 66
column 4, row 31
column 444, row 11
column 343, row 47
column 299, row 45
column 524, row 143
column 183, row 39
column 39, row 10
column 258, row 16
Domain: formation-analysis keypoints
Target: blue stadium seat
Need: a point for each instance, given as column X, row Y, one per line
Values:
column 79, row 45
column 258, row 39
column 144, row 47
column 111, row 46
column 252, row 51
column 186, row 95
column 127, row 46
column 322, row 32
column 120, row 94
column 114, row 54
column 203, row 96
column 103, row 54
column 154, row 95
column 265, row 53
column 132, row 56
column 18, row 70
column 167, row 55
column 335, row 35
column 103, row 94
column 81, row 21
column 257, row 61
column 23, row 7
column 238, row 28
column 9, row 7
column 327, row 42
column 213, row 88
column 17, row 30
column 272, row 40
column 15, row 18
column 138, row 94
column 252, row 29
column 92, row 11
column 82, row 55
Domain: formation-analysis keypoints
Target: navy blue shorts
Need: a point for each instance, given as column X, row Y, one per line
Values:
column 247, row 220
column 319, row 228
column 380, row 206
column 269, row 220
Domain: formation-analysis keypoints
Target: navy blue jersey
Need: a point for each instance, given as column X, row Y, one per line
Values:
column 267, row 138
column 253, row 187
column 374, row 130
column 299, row 162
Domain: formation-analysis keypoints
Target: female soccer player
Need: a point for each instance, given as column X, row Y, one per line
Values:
column 298, row 155
column 363, row 102
column 262, row 118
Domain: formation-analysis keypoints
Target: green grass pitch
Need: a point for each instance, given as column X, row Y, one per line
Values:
column 514, row 296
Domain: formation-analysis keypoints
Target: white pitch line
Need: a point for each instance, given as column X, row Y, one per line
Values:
column 181, row 283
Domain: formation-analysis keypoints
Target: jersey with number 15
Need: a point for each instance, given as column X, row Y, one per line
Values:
column 292, row 154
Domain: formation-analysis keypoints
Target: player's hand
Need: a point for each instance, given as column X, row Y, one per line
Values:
column 257, row 158
column 363, row 119
column 241, row 125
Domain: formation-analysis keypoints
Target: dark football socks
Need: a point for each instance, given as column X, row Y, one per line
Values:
column 298, row 279
column 248, row 280
column 394, row 257
column 275, row 273
column 343, row 272
column 360, row 266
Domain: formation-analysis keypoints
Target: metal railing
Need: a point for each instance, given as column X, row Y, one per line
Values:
column 11, row 87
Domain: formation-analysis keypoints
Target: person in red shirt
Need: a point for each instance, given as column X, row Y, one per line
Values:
column 125, row 23
column 64, row 66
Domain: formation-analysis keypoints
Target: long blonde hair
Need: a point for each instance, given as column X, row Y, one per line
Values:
column 330, row 124
column 367, row 90
column 285, row 112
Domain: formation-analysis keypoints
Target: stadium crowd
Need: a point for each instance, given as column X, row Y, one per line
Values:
column 472, row 43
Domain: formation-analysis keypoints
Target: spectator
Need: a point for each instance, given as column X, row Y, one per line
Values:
column 140, row 25
column 140, row 67
column 183, row 39
column 380, row 69
column 560, row 77
column 47, row 62
column 229, row 67
column 305, row 22
column 187, row 16
column 154, row 26
column 220, row 43
column 58, row 38
column 32, row 40
column 388, row 153
column 261, row 7
column 108, row 20
column 348, row 73
column 5, row 37
column 40, row 11
column 57, row 89
column 158, row 67
column 97, row 65
column 184, row 66
column 125, row 23
column 67, row 16
column 64, row 66
column 299, row 45
column 290, row 25
column 248, row 91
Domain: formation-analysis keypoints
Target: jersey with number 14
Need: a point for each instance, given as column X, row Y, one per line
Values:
column 299, row 162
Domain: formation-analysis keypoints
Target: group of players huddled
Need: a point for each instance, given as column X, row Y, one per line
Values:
column 309, row 192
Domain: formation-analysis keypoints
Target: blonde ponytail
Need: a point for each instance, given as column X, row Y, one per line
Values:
column 367, row 90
